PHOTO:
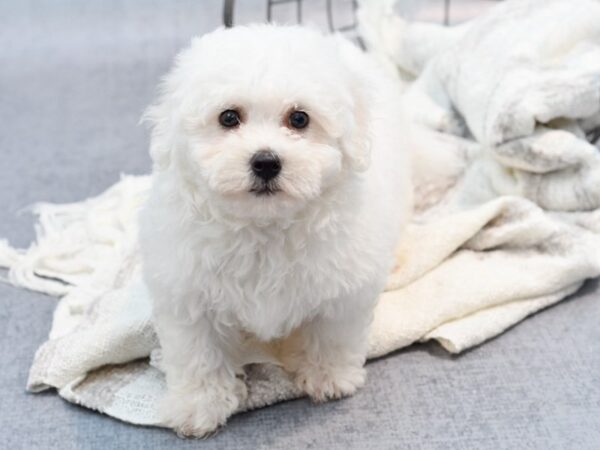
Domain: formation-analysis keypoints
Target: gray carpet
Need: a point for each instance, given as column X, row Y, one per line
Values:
column 74, row 79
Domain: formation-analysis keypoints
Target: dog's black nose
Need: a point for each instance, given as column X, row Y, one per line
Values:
column 265, row 164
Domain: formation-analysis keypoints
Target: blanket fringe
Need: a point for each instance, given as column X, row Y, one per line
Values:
column 75, row 240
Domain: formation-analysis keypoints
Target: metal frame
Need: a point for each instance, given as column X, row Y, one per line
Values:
column 271, row 3
column 229, row 8
column 446, row 12
column 349, row 27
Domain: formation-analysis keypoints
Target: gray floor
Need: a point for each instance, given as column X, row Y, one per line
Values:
column 74, row 79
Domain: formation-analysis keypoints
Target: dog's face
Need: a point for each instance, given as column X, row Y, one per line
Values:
column 260, row 121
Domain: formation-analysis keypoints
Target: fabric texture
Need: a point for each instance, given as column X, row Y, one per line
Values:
column 474, row 262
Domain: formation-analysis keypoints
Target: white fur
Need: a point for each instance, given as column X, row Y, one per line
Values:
column 303, row 266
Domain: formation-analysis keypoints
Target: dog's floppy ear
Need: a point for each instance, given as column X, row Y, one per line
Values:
column 163, row 114
column 158, row 116
column 356, row 141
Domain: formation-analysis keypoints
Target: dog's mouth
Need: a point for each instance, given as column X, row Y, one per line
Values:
column 265, row 188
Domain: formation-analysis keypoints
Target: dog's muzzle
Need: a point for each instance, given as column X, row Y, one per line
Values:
column 265, row 166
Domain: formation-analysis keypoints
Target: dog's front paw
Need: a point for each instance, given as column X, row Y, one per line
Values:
column 323, row 383
column 201, row 410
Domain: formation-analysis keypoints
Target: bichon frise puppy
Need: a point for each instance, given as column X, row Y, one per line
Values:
column 280, row 188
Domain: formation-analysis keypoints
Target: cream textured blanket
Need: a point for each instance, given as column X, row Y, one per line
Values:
column 512, row 228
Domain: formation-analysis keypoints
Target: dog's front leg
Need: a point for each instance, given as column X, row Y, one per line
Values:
column 202, row 387
column 327, row 354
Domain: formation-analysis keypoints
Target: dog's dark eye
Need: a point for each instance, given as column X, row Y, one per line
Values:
column 229, row 118
column 298, row 120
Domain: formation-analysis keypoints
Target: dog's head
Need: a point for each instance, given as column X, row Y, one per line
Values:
column 260, row 120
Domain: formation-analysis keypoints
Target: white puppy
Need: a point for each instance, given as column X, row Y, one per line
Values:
column 280, row 189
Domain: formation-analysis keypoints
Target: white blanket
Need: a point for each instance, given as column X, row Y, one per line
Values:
column 513, row 228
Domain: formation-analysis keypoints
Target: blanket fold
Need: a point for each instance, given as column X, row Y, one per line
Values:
column 512, row 228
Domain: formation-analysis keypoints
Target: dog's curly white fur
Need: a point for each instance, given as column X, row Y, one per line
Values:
column 302, row 258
